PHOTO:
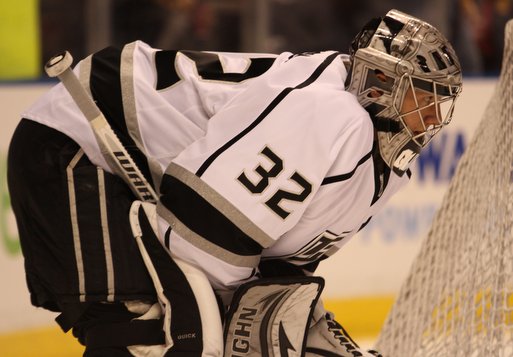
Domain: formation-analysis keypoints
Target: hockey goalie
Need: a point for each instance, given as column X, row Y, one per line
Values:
column 263, row 166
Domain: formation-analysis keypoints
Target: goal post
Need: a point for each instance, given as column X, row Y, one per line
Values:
column 458, row 297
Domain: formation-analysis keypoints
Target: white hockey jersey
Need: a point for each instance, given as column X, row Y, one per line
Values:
column 256, row 156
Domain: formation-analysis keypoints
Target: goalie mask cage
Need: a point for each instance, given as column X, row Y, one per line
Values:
column 458, row 297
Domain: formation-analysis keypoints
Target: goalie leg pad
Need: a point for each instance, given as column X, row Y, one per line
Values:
column 270, row 317
column 192, row 321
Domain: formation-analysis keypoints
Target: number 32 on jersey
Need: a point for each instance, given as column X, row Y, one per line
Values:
column 264, row 176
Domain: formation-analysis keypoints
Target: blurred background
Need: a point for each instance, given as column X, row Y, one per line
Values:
column 363, row 279
column 32, row 31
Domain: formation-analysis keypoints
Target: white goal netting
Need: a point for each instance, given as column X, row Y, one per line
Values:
column 458, row 297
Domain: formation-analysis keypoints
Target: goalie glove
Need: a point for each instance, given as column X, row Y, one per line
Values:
column 326, row 337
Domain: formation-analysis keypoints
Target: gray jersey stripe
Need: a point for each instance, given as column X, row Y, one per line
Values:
column 203, row 244
column 74, row 224
column 129, row 109
column 106, row 235
column 221, row 204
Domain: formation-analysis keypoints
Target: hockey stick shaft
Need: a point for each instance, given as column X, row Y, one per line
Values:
column 112, row 149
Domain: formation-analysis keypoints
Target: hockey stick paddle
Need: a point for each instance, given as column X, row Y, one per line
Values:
column 112, row 149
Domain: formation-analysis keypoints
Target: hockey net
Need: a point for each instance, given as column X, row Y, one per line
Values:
column 458, row 297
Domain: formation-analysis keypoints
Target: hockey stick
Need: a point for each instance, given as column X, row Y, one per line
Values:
column 111, row 147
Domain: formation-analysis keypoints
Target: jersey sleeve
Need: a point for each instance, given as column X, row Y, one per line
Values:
column 238, row 189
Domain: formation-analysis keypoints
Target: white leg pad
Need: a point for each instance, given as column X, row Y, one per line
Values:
column 205, row 300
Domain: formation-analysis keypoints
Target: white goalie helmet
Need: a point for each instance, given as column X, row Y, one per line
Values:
column 396, row 55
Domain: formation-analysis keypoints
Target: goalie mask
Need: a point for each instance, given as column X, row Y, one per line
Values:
column 407, row 76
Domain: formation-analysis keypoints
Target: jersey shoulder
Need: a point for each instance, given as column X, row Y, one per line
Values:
column 356, row 136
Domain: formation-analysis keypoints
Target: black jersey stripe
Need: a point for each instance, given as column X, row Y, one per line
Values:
column 313, row 77
column 225, row 207
column 208, row 65
column 347, row 176
column 165, row 67
column 105, row 85
column 201, row 217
